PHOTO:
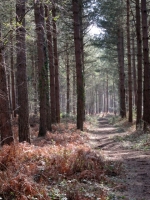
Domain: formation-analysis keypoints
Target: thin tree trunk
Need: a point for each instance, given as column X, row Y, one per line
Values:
column 48, row 113
column 146, row 92
column 13, row 89
column 5, row 123
column 51, row 65
column 114, row 99
column 8, row 78
column 39, row 21
column 24, row 133
column 100, row 97
column 68, row 80
column 74, row 92
column 35, row 84
column 120, row 50
column 79, row 70
column 13, row 95
column 129, row 63
column 82, row 48
column 96, row 101
column 139, row 65
column 134, row 71
column 56, row 65
column 104, row 97
column 107, row 97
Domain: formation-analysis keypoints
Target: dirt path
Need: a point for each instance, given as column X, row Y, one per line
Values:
column 136, row 163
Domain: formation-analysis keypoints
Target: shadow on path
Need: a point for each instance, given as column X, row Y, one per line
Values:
column 136, row 163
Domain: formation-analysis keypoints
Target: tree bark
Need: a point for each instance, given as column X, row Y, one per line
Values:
column 129, row 63
column 13, row 94
column 5, row 122
column 74, row 93
column 24, row 133
column 39, row 21
column 107, row 96
column 79, row 70
column 120, row 50
column 68, row 81
column 48, row 113
column 134, row 72
column 51, row 65
column 139, row 65
column 56, row 64
column 82, row 48
column 146, row 86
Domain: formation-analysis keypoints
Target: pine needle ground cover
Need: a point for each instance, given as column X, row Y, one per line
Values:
column 60, row 166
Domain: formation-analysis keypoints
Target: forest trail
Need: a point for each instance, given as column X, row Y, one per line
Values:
column 135, row 163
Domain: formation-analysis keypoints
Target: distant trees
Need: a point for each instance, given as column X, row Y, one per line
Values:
column 56, row 69
column 32, row 85
column 135, row 14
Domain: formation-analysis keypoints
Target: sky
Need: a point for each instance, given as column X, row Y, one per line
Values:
column 93, row 30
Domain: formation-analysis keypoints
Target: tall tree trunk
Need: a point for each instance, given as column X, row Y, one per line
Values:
column 24, row 133
column 104, row 97
column 120, row 50
column 107, row 96
column 8, row 75
column 48, row 113
column 129, row 63
column 114, row 99
column 146, row 92
column 35, row 84
column 13, row 95
column 5, row 123
column 139, row 65
column 74, row 93
column 79, row 70
column 68, row 80
column 56, row 64
column 13, row 85
column 82, row 48
column 51, row 65
column 34, row 81
column 100, row 97
column 96, row 102
column 39, row 21
column 134, row 71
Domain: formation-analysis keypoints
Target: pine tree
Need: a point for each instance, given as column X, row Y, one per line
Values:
column 5, row 123
column 23, row 110
column 79, row 70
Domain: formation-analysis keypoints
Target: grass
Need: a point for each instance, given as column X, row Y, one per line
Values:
column 133, row 139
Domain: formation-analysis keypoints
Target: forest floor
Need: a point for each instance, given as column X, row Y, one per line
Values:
column 110, row 160
column 121, row 143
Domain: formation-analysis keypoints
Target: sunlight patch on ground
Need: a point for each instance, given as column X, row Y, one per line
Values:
column 104, row 129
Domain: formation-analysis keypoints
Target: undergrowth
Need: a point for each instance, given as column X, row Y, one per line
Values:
column 133, row 139
column 59, row 166
column 136, row 140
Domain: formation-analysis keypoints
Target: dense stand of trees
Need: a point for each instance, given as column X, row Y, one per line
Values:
column 32, row 84
column 125, row 24
column 50, row 66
